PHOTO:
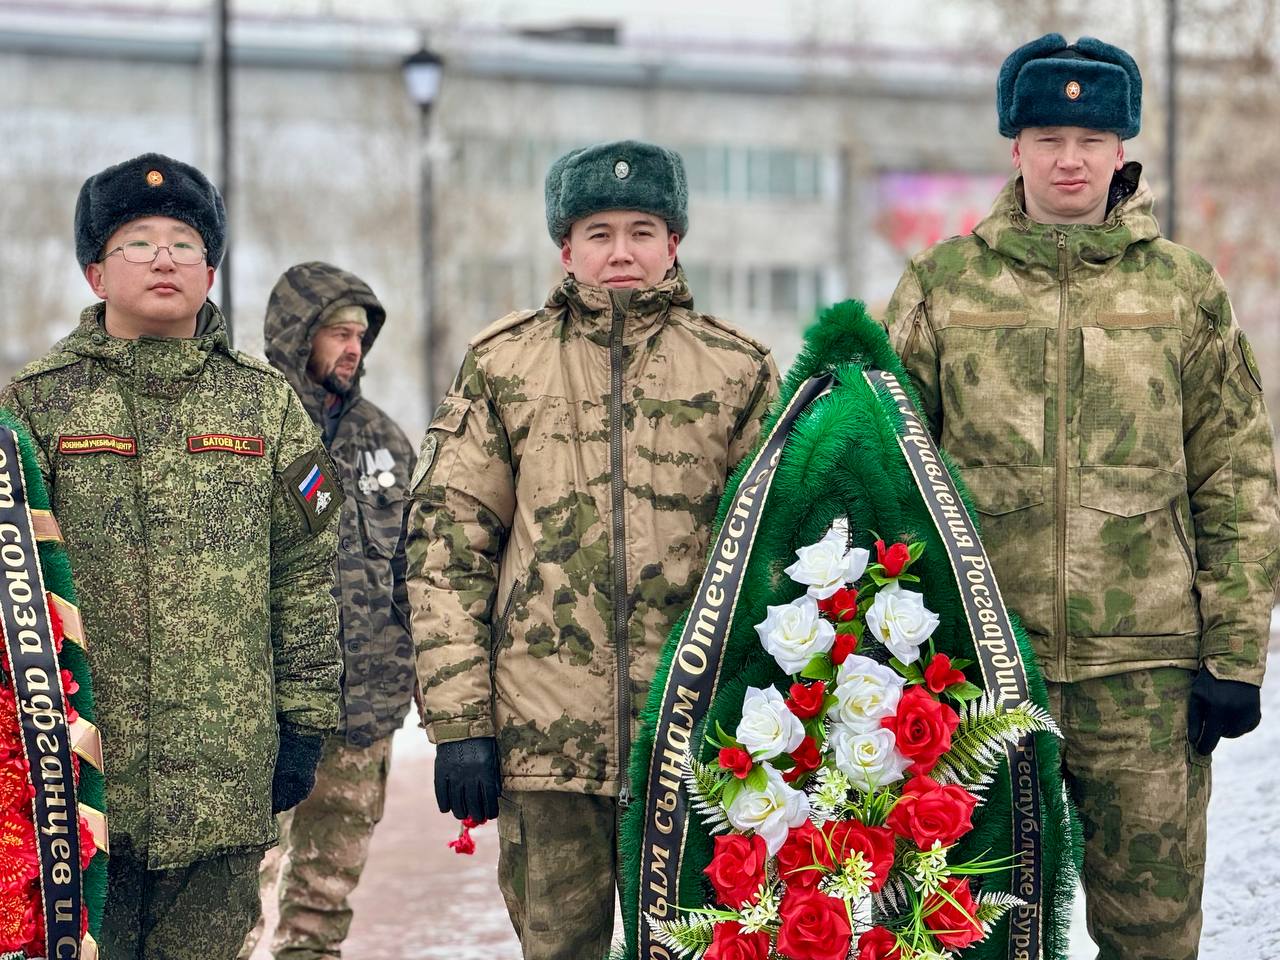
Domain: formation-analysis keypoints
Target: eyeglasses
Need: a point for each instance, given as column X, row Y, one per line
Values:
column 144, row 251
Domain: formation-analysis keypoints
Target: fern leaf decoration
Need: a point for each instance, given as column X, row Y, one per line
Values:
column 992, row 905
column 705, row 783
column 977, row 746
column 686, row 936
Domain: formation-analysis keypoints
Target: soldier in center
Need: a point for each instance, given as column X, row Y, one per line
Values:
column 560, row 515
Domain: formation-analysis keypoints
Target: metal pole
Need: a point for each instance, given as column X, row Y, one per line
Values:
column 1171, row 114
column 223, row 86
column 428, row 283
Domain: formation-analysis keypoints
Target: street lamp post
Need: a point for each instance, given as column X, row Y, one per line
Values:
column 422, row 72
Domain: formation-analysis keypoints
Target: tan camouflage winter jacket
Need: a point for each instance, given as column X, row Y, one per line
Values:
column 578, row 458
column 1106, row 410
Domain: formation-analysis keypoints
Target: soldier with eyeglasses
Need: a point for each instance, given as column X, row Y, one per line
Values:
column 197, row 505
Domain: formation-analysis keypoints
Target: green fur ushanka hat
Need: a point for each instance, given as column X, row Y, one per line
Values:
column 150, row 185
column 623, row 175
column 1050, row 83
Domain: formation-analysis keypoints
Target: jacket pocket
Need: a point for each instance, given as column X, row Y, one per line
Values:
column 381, row 518
column 1017, row 533
column 1129, row 568
column 991, row 381
column 1131, row 392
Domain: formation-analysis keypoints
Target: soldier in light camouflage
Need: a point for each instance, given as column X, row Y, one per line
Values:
column 321, row 322
column 197, row 505
column 1090, row 379
column 560, row 516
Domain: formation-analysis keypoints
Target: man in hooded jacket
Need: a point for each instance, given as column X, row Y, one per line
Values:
column 321, row 322
column 1090, row 378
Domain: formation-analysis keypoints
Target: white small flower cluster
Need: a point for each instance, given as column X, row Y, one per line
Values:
column 930, row 869
column 830, row 792
column 854, row 880
column 763, row 914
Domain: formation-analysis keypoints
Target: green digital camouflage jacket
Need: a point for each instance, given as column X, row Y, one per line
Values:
column 375, row 460
column 561, row 510
column 1107, row 412
column 195, row 502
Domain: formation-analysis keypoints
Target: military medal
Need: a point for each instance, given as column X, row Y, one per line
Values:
column 386, row 478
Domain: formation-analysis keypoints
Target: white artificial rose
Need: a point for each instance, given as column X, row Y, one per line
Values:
column 866, row 692
column 768, row 728
column 826, row 566
column 795, row 633
column 869, row 759
column 899, row 619
column 770, row 812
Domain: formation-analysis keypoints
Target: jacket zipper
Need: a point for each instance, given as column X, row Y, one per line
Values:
column 500, row 634
column 1060, row 538
column 620, row 617
column 914, row 337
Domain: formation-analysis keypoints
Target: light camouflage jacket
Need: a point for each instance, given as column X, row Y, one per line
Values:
column 565, row 494
column 375, row 460
column 203, row 572
column 1106, row 410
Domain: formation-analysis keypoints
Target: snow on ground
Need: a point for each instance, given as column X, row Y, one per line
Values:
column 420, row 901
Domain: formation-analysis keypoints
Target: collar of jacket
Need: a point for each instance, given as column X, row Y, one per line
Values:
column 591, row 307
column 160, row 366
column 1011, row 233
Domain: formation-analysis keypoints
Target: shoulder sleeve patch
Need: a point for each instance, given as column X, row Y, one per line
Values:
column 449, row 420
column 1249, row 362
column 725, row 327
column 312, row 485
column 513, row 319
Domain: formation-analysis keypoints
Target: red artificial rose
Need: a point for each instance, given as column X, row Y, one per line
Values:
column 878, row 943
column 737, row 868
column 847, row 837
column 464, row 843
column 938, row 675
column 923, row 728
column 803, row 859
column 955, row 925
column 806, row 699
column 814, row 926
column 928, row 811
column 845, row 644
column 893, row 559
column 728, row 942
column 807, row 760
column 841, row 606
column 737, row 760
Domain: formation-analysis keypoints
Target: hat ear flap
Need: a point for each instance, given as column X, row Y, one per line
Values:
column 1013, row 64
column 1092, row 47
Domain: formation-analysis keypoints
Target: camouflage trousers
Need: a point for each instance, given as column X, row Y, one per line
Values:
column 202, row 910
column 558, row 869
column 324, row 842
column 1142, row 793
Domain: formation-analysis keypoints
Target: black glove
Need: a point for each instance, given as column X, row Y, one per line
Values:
column 295, row 766
column 1221, row 708
column 467, row 779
